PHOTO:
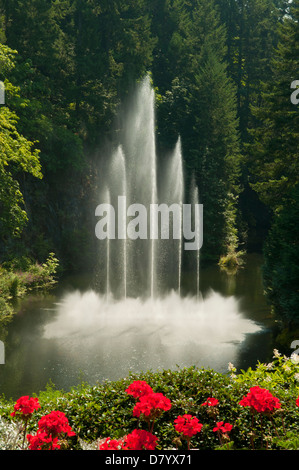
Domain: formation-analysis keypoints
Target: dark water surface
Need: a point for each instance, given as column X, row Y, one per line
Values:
column 73, row 335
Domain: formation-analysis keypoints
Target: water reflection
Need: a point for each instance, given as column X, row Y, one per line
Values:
column 78, row 336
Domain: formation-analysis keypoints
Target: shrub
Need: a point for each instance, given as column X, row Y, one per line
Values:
column 15, row 282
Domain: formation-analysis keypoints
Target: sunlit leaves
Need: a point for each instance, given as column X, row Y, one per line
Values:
column 17, row 155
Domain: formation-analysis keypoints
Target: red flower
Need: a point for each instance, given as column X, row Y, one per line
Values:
column 297, row 401
column 260, row 400
column 42, row 441
column 55, row 423
column 211, row 402
column 25, row 406
column 224, row 428
column 139, row 388
column 111, row 444
column 187, row 425
column 151, row 405
column 140, row 440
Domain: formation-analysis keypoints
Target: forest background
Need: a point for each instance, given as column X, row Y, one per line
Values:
column 224, row 73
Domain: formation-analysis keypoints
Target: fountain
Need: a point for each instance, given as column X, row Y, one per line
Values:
column 141, row 316
column 132, row 174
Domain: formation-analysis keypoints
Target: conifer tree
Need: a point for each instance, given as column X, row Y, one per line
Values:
column 200, row 105
column 275, row 151
column 275, row 170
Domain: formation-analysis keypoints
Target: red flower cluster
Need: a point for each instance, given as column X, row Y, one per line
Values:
column 223, row 427
column 111, row 444
column 51, row 427
column 139, row 388
column 25, row 406
column 211, row 402
column 260, row 400
column 43, row 442
column 138, row 439
column 151, row 405
column 55, row 423
column 188, row 425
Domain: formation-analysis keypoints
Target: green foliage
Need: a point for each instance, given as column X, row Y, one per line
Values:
column 274, row 164
column 252, row 32
column 5, row 309
column 16, row 155
column 279, row 375
column 281, row 266
column 289, row 442
column 23, row 276
column 34, row 277
column 233, row 259
column 75, row 61
column 10, row 285
column 274, row 151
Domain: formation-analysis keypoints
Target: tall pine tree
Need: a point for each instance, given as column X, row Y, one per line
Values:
column 275, row 170
column 200, row 105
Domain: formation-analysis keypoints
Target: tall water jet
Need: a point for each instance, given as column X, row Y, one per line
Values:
column 195, row 202
column 171, row 191
column 139, row 145
column 153, row 201
column 119, row 176
column 177, row 179
column 108, row 201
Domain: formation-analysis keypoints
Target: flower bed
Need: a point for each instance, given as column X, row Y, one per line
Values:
column 184, row 409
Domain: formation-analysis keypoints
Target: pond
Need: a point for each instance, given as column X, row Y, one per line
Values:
column 75, row 335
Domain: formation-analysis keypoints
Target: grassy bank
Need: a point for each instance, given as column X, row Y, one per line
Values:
column 21, row 277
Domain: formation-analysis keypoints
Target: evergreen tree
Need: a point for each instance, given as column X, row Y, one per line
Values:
column 275, row 152
column 251, row 36
column 75, row 61
column 200, row 106
column 275, row 170
column 281, row 266
column 113, row 48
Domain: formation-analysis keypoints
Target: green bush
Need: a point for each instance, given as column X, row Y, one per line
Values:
column 24, row 276
column 6, row 310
